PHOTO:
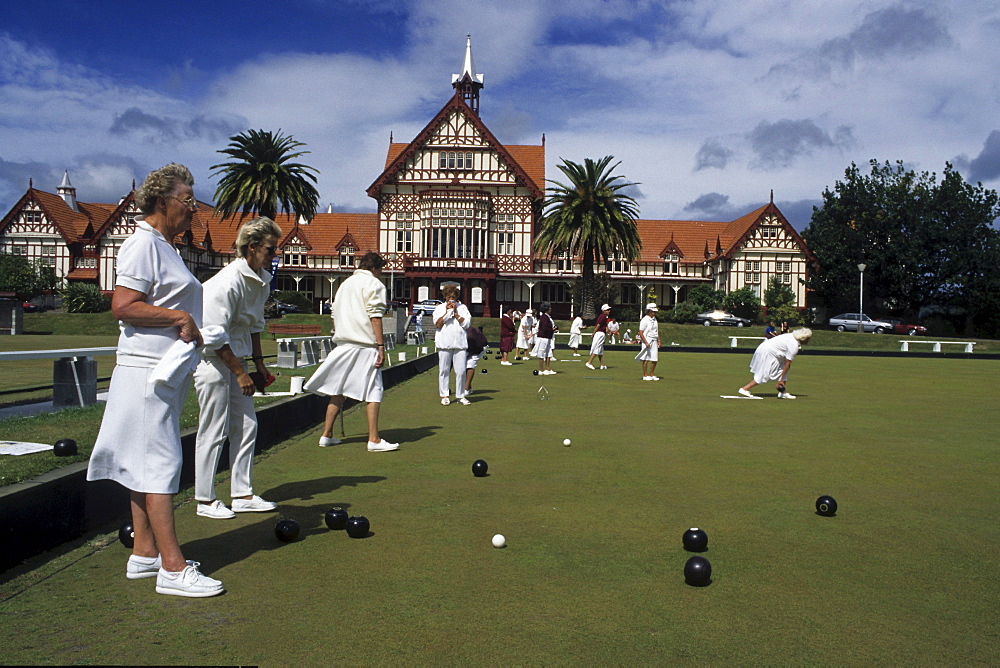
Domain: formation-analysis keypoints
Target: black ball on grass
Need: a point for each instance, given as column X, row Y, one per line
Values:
column 483, row 371
column 535, row 372
column 287, row 531
column 479, row 468
column 695, row 540
column 64, row 447
column 127, row 535
column 826, row 506
column 358, row 527
column 336, row 518
column 698, row 572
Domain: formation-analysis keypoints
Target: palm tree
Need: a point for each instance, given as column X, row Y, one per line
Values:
column 263, row 177
column 590, row 218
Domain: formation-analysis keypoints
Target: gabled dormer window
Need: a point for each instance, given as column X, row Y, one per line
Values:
column 347, row 256
column 294, row 256
column 671, row 264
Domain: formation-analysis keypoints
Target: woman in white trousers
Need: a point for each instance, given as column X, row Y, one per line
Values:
column 234, row 300
column 451, row 319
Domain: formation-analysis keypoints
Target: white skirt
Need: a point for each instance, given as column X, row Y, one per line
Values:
column 349, row 371
column 649, row 353
column 765, row 367
column 597, row 343
column 543, row 348
column 574, row 341
column 522, row 342
column 139, row 445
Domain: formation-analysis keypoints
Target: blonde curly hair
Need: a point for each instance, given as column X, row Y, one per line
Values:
column 161, row 183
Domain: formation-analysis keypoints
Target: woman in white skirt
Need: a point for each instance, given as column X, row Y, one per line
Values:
column 773, row 359
column 158, row 303
column 575, row 333
column 234, row 301
column 649, row 339
column 451, row 319
column 354, row 367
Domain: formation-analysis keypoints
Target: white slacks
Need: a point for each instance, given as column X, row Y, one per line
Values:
column 225, row 411
column 450, row 359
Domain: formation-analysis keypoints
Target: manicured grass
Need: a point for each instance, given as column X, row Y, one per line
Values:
column 904, row 574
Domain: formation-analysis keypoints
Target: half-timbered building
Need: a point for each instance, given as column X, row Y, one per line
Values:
column 454, row 204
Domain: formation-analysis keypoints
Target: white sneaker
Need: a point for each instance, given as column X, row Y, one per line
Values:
column 445, row 401
column 190, row 582
column 785, row 395
column 589, row 365
column 602, row 366
column 647, row 378
column 254, row 505
column 327, row 441
column 654, row 378
column 746, row 393
column 216, row 510
column 382, row 446
column 576, row 354
column 464, row 401
column 506, row 364
column 142, row 567
column 549, row 372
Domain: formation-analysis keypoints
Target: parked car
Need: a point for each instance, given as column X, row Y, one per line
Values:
column 848, row 322
column 900, row 327
column 284, row 309
column 720, row 318
column 30, row 307
column 426, row 307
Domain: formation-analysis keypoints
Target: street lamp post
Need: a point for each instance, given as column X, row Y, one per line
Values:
column 861, row 299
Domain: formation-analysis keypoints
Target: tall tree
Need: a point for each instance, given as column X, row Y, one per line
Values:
column 923, row 243
column 25, row 278
column 589, row 217
column 262, row 177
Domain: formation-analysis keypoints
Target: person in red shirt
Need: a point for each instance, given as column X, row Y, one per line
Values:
column 543, row 347
column 508, row 334
column 600, row 334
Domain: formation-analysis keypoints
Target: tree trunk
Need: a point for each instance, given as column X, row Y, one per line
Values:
column 587, row 285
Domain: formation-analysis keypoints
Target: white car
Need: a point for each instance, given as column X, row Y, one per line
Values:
column 426, row 307
column 848, row 322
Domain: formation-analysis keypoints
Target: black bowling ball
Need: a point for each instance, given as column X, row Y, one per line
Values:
column 65, row 447
column 336, row 518
column 698, row 572
column 826, row 506
column 127, row 535
column 287, row 531
column 358, row 527
column 695, row 540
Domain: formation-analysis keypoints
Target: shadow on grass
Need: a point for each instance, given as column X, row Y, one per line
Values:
column 406, row 436
column 231, row 547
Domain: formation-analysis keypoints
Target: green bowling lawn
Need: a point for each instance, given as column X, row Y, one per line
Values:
column 906, row 573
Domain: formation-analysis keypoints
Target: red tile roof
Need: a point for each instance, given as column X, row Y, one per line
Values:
column 323, row 233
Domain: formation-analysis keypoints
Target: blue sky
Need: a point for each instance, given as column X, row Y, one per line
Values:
column 709, row 104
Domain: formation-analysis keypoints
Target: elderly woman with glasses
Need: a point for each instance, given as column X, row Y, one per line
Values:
column 234, row 301
column 158, row 303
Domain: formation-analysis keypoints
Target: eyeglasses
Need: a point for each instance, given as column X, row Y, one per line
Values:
column 270, row 249
column 189, row 202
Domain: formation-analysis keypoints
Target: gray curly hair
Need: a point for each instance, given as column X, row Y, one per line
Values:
column 255, row 232
column 161, row 183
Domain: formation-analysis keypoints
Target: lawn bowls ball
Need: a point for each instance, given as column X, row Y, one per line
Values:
column 336, row 518
column 127, row 535
column 698, row 572
column 695, row 540
column 483, row 371
column 567, row 442
column 826, row 506
column 499, row 540
column 287, row 531
column 479, row 468
column 358, row 527
column 64, row 447
column 535, row 372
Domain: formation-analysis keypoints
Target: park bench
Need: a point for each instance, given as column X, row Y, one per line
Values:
column 905, row 344
column 733, row 340
column 74, row 372
column 276, row 328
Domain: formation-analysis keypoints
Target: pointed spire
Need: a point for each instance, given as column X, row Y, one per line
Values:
column 772, row 195
column 329, row 209
column 67, row 192
column 390, row 136
column 468, row 83
column 31, row 184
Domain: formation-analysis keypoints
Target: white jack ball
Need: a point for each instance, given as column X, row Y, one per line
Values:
column 499, row 540
column 566, row 442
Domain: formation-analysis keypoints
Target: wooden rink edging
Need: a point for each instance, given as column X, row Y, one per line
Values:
column 60, row 505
